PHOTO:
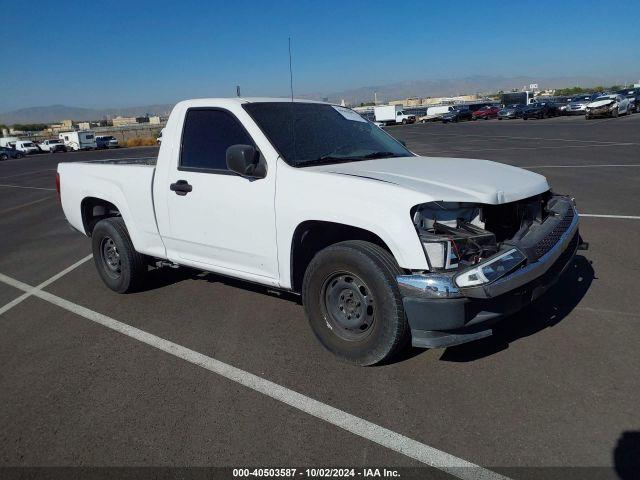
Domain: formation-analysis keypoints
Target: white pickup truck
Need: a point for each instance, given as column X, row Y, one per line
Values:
column 385, row 247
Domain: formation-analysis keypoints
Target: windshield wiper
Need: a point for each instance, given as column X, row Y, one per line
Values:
column 329, row 158
column 379, row 155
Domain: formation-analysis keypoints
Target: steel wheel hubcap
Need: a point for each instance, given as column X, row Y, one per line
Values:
column 349, row 306
column 110, row 257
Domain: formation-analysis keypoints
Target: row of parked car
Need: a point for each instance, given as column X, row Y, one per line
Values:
column 12, row 147
column 591, row 105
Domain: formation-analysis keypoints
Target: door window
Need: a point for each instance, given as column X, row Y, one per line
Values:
column 206, row 135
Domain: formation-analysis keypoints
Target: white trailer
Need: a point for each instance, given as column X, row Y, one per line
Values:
column 392, row 114
column 8, row 142
column 434, row 113
column 80, row 140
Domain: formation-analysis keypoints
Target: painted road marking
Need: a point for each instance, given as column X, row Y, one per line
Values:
column 602, row 165
column 626, row 217
column 18, row 207
column 44, row 284
column 358, row 426
column 527, row 138
column 33, row 188
column 29, row 173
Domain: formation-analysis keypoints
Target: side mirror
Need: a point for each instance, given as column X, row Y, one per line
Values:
column 246, row 160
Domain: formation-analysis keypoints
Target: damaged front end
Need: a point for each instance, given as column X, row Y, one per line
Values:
column 487, row 261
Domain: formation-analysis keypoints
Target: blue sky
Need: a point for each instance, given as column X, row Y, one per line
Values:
column 112, row 54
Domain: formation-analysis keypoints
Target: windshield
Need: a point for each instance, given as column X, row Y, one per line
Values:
column 314, row 133
column 606, row 97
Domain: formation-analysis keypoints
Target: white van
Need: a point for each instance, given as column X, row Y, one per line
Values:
column 80, row 140
column 27, row 146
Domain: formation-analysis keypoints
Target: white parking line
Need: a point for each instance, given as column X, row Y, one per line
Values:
column 29, row 173
column 382, row 436
column 594, row 215
column 527, row 138
column 47, row 282
column 18, row 207
column 500, row 149
column 603, row 165
column 33, row 188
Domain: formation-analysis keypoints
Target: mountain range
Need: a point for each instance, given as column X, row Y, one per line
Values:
column 393, row 91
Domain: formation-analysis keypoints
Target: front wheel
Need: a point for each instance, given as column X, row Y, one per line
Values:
column 614, row 113
column 353, row 304
column 4, row 156
column 121, row 268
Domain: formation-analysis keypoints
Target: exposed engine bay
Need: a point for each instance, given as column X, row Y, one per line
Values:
column 459, row 235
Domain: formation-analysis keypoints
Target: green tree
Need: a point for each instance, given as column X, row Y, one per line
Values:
column 30, row 127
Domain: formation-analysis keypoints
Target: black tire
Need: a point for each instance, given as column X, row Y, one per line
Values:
column 19, row 155
column 614, row 113
column 4, row 157
column 356, row 278
column 125, row 270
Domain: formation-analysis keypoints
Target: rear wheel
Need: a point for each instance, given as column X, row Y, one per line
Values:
column 4, row 156
column 353, row 304
column 121, row 268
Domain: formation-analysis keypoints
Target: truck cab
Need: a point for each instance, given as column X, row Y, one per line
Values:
column 26, row 146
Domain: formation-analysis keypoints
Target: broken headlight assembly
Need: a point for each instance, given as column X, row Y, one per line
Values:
column 455, row 241
column 452, row 235
column 491, row 270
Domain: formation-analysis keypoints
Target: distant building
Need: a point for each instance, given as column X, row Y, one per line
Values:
column 122, row 121
column 64, row 126
column 157, row 120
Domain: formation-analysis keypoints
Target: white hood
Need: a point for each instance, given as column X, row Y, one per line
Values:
column 601, row 103
column 448, row 179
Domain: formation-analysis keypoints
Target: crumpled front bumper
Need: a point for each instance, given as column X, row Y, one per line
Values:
column 441, row 314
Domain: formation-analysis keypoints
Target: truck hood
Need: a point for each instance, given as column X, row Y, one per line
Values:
column 448, row 179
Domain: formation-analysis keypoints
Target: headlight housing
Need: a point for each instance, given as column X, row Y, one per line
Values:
column 490, row 270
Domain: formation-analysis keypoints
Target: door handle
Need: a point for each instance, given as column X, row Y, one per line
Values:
column 181, row 187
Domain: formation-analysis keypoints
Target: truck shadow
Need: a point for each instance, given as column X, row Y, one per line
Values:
column 547, row 311
column 626, row 455
column 163, row 277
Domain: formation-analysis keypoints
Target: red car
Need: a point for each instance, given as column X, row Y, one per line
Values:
column 486, row 113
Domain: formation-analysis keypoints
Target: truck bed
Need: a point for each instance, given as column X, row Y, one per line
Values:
column 127, row 184
column 126, row 161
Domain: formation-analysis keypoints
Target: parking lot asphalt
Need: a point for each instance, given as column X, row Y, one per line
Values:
column 556, row 386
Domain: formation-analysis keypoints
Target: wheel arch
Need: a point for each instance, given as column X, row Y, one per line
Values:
column 311, row 236
column 94, row 209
